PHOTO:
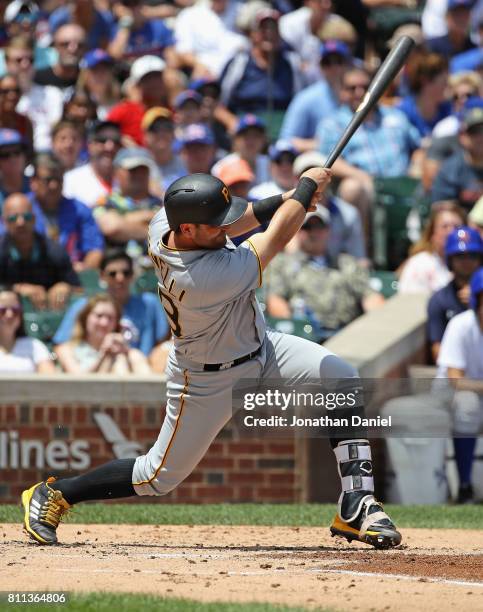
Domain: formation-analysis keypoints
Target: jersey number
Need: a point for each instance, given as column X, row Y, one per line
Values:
column 171, row 312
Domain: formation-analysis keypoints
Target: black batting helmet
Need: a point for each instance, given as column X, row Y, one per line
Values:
column 201, row 198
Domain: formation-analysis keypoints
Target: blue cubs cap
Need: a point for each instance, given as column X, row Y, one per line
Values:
column 330, row 47
column 454, row 4
column 10, row 137
column 197, row 133
column 186, row 96
column 249, row 121
column 280, row 147
column 463, row 240
column 96, row 57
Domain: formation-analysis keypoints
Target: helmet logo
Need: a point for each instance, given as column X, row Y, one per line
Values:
column 226, row 194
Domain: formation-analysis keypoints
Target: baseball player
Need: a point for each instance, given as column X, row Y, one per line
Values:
column 207, row 287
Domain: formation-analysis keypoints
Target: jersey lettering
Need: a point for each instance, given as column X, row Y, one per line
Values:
column 171, row 311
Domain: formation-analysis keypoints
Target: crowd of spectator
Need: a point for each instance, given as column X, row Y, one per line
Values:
column 104, row 103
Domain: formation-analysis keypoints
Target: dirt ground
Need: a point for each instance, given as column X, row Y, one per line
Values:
column 433, row 570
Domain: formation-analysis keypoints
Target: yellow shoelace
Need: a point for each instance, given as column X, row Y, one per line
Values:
column 53, row 509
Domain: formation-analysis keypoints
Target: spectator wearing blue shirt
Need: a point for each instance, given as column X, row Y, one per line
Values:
column 381, row 147
column 98, row 24
column 317, row 101
column 65, row 220
column 265, row 77
column 133, row 35
column 143, row 318
column 427, row 78
column 457, row 39
column 460, row 177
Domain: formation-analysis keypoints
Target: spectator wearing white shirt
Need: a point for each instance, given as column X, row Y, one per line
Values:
column 88, row 183
column 426, row 271
column 461, row 359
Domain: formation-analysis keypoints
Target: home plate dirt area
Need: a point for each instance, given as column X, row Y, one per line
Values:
column 432, row 570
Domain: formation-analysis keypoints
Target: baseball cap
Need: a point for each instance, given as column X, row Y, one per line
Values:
column 280, row 147
column 307, row 160
column 330, row 47
column 248, row 121
column 199, row 84
column 472, row 117
column 262, row 15
column 145, row 65
column 10, row 137
column 155, row 113
column 321, row 213
column 97, row 126
column 196, row 133
column 19, row 10
column 132, row 157
column 454, row 4
column 186, row 96
column 236, row 172
column 96, row 57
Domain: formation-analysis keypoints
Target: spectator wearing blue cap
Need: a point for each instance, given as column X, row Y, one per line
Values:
column 282, row 155
column 319, row 100
column 134, row 36
column 264, row 78
column 197, row 148
column 213, row 112
column 70, row 44
column 460, row 177
column 125, row 214
column 464, row 255
column 13, row 161
column 97, row 23
column 187, row 106
column 457, row 39
column 249, row 140
column 65, row 220
column 97, row 78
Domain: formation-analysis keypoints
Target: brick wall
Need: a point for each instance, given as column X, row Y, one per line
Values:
column 34, row 437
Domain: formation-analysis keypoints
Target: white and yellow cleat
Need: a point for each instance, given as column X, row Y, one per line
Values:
column 43, row 510
column 371, row 526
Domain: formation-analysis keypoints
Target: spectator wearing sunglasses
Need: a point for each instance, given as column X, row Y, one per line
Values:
column 143, row 318
column 13, row 160
column 318, row 101
column 124, row 215
column 89, row 182
column 38, row 268
column 97, row 23
column 66, row 220
column 19, row 354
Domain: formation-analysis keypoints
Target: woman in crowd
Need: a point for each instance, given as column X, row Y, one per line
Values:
column 426, row 269
column 68, row 143
column 98, row 80
column 19, row 354
column 98, row 344
column 427, row 76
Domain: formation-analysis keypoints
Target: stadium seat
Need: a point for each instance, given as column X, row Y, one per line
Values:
column 384, row 281
column 394, row 200
column 146, row 281
column 299, row 327
column 90, row 282
column 42, row 324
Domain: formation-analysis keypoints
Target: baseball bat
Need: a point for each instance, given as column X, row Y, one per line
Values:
column 386, row 73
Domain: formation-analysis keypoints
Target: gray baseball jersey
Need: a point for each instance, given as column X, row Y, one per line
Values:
column 210, row 302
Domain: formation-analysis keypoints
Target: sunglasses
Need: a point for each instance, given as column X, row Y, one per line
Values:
column 15, row 309
column 106, row 139
column 28, row 216
column 9, row 154
column 9, row 90
column 353, row 88
column 475, row 130
column 50, row 179
column 334, row 60
column 114, row 273
column 67, row 43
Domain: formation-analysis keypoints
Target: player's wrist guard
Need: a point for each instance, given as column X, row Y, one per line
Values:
column 266, row 208
column 305, row 191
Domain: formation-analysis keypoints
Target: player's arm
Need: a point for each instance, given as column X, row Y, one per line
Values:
column 289, row 218
column 257, row 213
